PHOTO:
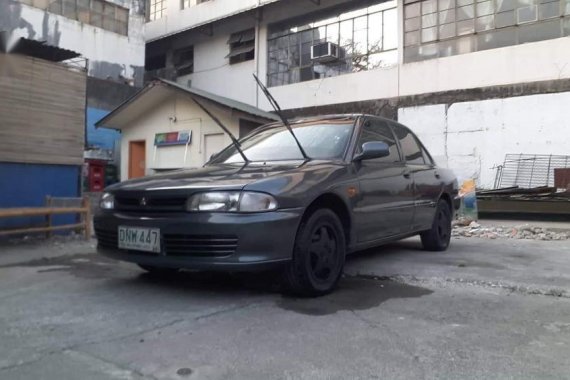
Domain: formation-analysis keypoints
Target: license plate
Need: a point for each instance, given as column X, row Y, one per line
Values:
column 139, row 239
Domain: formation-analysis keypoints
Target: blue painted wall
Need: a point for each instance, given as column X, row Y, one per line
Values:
column 26, row 185
column 100, row 137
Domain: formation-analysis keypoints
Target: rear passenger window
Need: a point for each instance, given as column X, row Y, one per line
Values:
column 378, row 130
column 410, row 147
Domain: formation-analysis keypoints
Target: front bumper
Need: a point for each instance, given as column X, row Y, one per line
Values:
column 262, row 240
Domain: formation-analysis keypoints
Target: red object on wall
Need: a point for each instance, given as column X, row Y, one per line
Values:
column 96, row 175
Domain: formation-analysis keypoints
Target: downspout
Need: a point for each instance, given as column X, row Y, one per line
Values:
column 257, row 52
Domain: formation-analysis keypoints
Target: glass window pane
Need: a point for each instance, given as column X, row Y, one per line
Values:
column 382, row 60
column 97, row 6
column 378, row 130
column 429, row 34
column 412, row 38
column 391, row 29
column 55, row 7
column 446, row 4
column 41, row 4
column 465, row 27
column 412, row 24
column 445, row 17
column 527, row 14
column 447, row 31
column 566, row 7
column 332, row 33
column 539, row 32
column 461, row 3
column 548, row 10
column 465, row 45
column 360, row 42
column 361, row 23
column 505, row 19
column 429, row 20
column 412, row 10
column 465, row 13
column 496, row 39
column 505, row 5
column 375, row 33
column 346, row 33
column 412, row 54
column 410, row 146
column 429, row 6
column 485, row 23
column 566, row 26
column 122, row 14
column 485, row 8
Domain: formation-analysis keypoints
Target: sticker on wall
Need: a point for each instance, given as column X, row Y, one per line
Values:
column 173, row 138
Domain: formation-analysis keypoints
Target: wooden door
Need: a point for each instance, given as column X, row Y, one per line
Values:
column 137, row 159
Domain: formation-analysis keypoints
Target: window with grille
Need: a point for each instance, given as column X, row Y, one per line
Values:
column 441, row 28
column 357, row 39
column 98, row 13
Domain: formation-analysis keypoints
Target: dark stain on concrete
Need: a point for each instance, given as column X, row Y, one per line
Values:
column 11, row 18
column 50, row 38
column 353, row 293
column 388, row 107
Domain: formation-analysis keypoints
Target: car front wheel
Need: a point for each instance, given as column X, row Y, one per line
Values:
column 438, row 237
column 318, row 257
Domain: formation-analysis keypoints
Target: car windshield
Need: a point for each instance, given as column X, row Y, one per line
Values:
column 322, row 140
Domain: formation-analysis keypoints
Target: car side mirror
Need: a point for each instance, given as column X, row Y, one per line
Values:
column 373, row 149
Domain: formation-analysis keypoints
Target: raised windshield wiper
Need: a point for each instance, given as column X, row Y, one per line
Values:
column 217, row 121
column 279, row 113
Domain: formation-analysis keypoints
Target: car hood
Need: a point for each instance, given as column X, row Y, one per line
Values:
column 209, row 177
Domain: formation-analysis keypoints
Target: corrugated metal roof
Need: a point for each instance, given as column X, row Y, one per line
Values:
column 233, row 104
column 125, row 112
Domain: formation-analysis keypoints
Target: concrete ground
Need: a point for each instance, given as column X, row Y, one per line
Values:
column 485, row 309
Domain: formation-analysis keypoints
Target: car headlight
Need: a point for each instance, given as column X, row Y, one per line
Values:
column 107, row 201
column 231, row 201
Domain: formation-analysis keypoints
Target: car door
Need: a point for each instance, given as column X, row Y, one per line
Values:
column 385, row 204
column 426, row 183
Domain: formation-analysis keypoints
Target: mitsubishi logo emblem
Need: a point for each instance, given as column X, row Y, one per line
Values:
column 143, row 201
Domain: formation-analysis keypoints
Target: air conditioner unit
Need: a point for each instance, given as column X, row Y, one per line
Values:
column 325, row 52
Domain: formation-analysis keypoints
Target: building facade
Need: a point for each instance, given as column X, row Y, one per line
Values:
column 477, row 80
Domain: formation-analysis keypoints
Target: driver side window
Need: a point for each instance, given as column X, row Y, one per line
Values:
column 378, row 130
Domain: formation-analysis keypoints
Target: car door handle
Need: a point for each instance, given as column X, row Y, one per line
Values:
column 407, row 175
column 436, row 174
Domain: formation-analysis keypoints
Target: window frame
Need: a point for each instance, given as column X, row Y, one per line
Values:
column 395, row 125
column 357, row 146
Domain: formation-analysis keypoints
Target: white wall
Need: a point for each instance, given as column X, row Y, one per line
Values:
column 472, row 138
column 109, row 54
column 158, row 120
column 213, row 73
column 178, row 19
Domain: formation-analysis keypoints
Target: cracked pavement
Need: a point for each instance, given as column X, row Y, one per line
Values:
column 485, row 309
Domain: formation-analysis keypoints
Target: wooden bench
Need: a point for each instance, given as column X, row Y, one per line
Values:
column 51, row 209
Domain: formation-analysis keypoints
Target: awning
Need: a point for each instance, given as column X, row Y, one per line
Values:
column 240, row 50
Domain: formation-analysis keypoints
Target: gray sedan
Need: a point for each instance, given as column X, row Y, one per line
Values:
column 348, row 183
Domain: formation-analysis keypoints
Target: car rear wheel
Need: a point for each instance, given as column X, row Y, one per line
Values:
column 318, row 257
column 158, row 271
column 438, row 237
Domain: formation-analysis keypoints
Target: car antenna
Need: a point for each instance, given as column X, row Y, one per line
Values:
column 217, row 121
column 279, row 113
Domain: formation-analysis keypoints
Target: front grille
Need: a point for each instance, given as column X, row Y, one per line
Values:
column 199, row 245
column 150, row 204
column 107, row 238
column 180, row 244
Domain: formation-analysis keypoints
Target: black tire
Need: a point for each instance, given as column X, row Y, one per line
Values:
column 438, row 237
column 318, row 255
column 159, row 271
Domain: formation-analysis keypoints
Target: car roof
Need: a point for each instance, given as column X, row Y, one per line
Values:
column 305, row 119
